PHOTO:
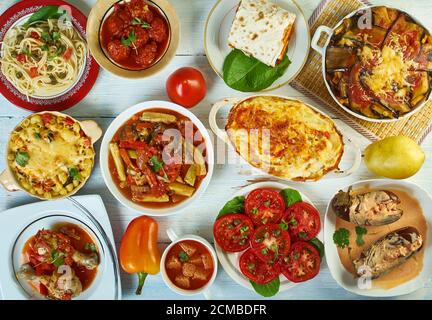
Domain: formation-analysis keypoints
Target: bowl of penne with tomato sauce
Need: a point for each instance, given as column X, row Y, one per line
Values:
column 156, row 157
column 50, row 155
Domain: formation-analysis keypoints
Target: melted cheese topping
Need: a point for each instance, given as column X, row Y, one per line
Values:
column 56, row 157
column 285, row 138
column 391, row 71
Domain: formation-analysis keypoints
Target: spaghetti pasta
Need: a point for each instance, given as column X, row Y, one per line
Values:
column 43, row 59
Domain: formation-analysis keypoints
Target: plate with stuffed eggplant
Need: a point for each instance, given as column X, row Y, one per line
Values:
column 377, row 237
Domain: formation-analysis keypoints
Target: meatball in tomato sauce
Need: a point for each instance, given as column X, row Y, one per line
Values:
column 158, row 30
column 118, row 51
column 147, row 54
column 135, row 35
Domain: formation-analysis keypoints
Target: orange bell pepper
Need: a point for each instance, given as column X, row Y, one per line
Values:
column 139, row 252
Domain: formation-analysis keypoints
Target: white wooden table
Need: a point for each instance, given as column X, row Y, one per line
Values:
column 111, row 95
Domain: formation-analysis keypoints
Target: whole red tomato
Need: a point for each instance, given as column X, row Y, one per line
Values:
column 186, row 86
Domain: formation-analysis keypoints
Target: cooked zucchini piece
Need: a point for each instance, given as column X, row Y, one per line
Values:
column 132, row 154
column 198, row 158
column 190, row 176
column 158, row 117
column 181, row 189
column 115, row 153
column 152, row 198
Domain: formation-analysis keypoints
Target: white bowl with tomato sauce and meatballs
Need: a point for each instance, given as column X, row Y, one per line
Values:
column 157, row 158
column 133, row 38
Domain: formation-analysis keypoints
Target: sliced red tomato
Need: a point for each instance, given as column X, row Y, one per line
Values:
column 264, row 206
column 270, row 242
column 68, row 53
column 257, row 270
column 232, row 232
column 303, row 221
column 33, row 72
column 69, row 121
column 21, row 58
column 46, row 117
column 302, row 263
column 34, row 35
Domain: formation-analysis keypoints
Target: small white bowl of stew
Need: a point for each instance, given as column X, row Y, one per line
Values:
column 188, row 264
column 157, row 158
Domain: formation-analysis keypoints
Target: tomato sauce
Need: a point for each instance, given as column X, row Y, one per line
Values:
column 135, row 35
column 80, row 241
column 195, row 137
column 189, row 265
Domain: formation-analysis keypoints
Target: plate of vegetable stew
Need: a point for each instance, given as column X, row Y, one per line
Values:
column 154, row 157
column 263, row 243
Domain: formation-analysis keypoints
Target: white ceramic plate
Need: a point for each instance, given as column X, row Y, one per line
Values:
column 118, row 122
column 218, row 26
column 229, row 261
column 347, row 280
column 18, row 224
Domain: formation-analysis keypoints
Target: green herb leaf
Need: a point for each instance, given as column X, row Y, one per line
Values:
column 37, row 135
column 341, row 238
column 254, row 211
column 56, row 36
column 318, row 245
column 360, row 232
column 290, row 196
column 267, row 290
column 57, row 258
column 248, row 74
column 43, row 14
column 129, row 40
column 45, row 47
column 90, row 246
column 138, row 22
column 244, row 229
column 235, row 205
column 26, row 52
column 156, row 164
column 74, row 173
column 183, row 256
column 293, row 222
column 302, row 235
column 46, row 36
column 22, row 158
column 267, row 203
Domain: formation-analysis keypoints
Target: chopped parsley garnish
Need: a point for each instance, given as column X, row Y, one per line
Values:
column 74, row 173
column 138, row 22
column 183, row 256
column 302, row 235
column 90, row 246
column 57, row 258
column 267, row 203
column 129, row 40
column 156, row 164
column 360, row 232
column 254, row 211
column 283, row 225
column 341, row 238
column 22, row 158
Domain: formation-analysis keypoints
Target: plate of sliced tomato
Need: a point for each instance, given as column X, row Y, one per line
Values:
column 268, row 238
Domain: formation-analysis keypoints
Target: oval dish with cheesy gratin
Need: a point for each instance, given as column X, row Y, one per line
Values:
column 285, row 137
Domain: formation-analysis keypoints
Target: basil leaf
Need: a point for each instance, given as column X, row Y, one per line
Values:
column 22, row 158
column 267, row 290
column 290, row 196
column 44, row 13
column 74, row 173
column 235, row 205
column 318, row 245
column 248, row 74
